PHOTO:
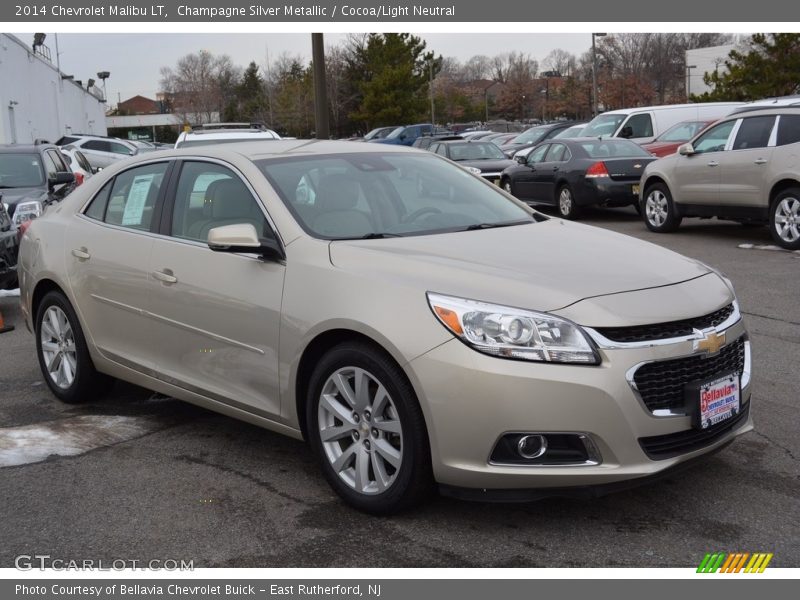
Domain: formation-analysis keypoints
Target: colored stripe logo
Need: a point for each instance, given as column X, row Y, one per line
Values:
column 737, row 562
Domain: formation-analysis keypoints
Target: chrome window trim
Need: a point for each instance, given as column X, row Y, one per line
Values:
column 595, row 458
column 607, row 344
column 744, row 378
column 178, row 159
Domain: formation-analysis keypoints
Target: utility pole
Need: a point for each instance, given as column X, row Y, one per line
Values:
column 320, row 91
column 594, row 72
column 433, row 119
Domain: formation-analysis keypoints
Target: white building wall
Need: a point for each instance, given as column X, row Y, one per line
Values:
column 35, row 103
column 705, row 60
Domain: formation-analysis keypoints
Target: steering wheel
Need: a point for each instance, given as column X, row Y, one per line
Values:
column 419, row 212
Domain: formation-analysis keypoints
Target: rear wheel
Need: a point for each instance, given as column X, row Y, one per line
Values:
column 367, row 429
column 63, row 355
column 567, row 207
column 659, row 210
column 784, row 219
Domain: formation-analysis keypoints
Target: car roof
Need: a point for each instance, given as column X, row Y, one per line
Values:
column 27, row 148
column 627, row 111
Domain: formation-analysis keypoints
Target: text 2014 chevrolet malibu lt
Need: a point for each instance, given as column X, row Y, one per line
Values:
column 414, row 323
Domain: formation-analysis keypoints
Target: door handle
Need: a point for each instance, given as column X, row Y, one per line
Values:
column 165, row 276
column 81, row 254
column 760, row 161
column 555, row 168
column 713, row 163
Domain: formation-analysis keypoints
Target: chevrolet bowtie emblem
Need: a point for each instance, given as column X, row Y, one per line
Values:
column 710, row 342
column 637, row 166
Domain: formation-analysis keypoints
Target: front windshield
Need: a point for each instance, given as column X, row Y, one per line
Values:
column 378, row 133
column 531, row 136
column 395, row 133
column 351, row 196
column 571, row 132
column 475, row 151
column 682, row 132
column 20, row 170
column 603, row 126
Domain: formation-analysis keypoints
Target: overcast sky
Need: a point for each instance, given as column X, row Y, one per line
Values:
column 134, row 60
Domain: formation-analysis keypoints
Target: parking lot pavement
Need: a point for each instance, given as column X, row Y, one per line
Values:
column 168, row 480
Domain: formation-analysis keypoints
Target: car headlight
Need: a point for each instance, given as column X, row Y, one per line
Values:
column 473, row 170
column 26, row 211
column 513, row 332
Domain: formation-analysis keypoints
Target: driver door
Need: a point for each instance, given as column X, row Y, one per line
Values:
column 698, row 176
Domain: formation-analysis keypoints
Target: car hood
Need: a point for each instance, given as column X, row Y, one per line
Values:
column 661, row 146
column 13, row 196
column 488, row 166
column 542, row 266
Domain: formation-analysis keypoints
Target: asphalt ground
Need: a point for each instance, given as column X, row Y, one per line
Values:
column 152, row 478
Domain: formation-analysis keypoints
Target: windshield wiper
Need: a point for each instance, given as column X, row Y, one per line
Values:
column 378, row 236
column 495, row 225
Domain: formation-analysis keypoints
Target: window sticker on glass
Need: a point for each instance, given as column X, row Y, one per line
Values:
column 137, row 197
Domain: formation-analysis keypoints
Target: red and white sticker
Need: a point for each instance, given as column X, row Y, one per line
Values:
column 719, row 400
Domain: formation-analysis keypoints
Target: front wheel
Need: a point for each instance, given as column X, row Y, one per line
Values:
column 63, row 356
column 567, row 207
column 367, row 429
column 659, row 209
column 784, row 219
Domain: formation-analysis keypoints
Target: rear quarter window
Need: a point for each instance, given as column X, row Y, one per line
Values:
column 788, row 130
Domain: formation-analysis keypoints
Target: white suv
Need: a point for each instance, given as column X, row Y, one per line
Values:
column 101, row 151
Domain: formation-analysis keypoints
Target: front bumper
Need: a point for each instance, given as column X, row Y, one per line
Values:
column 471, row 399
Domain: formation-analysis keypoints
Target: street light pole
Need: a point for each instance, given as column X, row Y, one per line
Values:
column 689, row 80
column 433, row 119
column 594, row 72
column 320, row 90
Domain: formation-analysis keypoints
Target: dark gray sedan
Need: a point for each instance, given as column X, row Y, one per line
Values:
column 481, row 158
column 572, row 173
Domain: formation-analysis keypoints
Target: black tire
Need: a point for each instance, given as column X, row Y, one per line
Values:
column 412, row 482
column 87, row 384
column 786, row 206
column 566, row 205
column 658, row 210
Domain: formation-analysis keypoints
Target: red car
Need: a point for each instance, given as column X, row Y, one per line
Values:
column 667, row 143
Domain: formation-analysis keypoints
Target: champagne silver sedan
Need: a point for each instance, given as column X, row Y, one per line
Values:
column 415, row 334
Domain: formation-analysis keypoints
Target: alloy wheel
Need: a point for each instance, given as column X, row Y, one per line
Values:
column 58, row 347
column 565, row 201
column 656, row 208
column 360, row 430
column 787, row 219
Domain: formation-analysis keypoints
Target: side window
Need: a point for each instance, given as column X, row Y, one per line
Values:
column 82, row 162
column 210, row 195
column 556, row 153
column 641, row 125
column 789, row 130
column 97, row 209
column 537, row 155
column 440, row 149
column 50, row 167
column 754, row 132
column 97, row 145
column 118, row 148
column 58, row 160
column 133, row 197
column 714, row 139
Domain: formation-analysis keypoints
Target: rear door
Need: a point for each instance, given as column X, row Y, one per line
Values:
column 744, row 169
column 698, row 176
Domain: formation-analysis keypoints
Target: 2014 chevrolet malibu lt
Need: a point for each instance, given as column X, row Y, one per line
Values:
column 413, row 335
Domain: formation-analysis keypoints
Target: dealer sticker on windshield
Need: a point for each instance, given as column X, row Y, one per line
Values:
column 719, row 400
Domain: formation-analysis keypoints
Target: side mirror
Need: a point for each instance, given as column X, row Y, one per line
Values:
column 627, row 132
column 243, row 237
column 60, row 179
column 521, row 159
column 686, row 149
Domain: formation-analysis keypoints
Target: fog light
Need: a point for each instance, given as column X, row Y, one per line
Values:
column 532, row 446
